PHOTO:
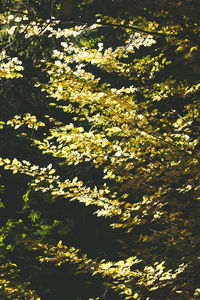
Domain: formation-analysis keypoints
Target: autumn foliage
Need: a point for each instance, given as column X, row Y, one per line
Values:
column 119, row 133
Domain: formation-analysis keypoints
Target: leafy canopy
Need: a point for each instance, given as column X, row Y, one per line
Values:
column 128, row 93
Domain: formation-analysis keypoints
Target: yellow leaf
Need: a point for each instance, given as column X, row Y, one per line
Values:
column 15, row 161
column 7, row 161
column 128, row 292
column 59, row 245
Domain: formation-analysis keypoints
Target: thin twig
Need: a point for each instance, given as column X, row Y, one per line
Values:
column 105, row 292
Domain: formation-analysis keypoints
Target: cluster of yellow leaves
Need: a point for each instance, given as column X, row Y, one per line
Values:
column 124, row 276
column 28, row 120
column 10, row 67
column 11, row 287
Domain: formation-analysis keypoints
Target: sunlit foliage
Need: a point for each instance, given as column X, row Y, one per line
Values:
column 132, row 112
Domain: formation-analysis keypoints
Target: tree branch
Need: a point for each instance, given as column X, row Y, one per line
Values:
column 90, row 22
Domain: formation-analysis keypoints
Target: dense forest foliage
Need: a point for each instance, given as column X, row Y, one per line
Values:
column 99, row 149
